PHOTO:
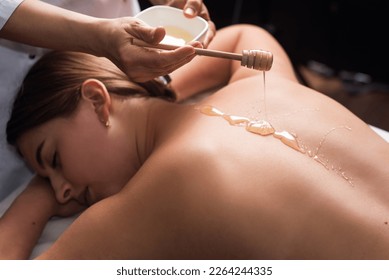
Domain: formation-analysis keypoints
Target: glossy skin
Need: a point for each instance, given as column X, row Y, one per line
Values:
column 205, row 189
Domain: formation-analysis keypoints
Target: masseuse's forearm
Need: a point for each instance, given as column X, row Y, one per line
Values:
column 43, row 25
column 21, row 226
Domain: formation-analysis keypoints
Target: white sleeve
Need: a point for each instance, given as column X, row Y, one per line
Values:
column 7, row 7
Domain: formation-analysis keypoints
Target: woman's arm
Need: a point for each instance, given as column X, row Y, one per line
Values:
column 204, row 73
column 22, row 224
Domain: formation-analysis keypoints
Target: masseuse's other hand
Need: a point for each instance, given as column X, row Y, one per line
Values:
column 138, row 63
column 191, row 9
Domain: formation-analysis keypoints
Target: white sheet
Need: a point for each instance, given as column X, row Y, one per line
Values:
column 56, row 226
column 383, row 133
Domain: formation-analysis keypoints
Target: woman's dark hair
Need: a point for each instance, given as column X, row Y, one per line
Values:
column 51, row 89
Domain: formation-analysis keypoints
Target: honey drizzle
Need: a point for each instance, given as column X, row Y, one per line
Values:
column 264, row 95
column 264, row 128
column 260, row 127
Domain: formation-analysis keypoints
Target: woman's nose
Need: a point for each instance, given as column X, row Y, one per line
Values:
column 63, row 190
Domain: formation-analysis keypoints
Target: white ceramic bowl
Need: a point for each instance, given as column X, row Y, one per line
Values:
column 179, row 29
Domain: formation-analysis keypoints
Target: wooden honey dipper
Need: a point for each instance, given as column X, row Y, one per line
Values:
column 253, row 59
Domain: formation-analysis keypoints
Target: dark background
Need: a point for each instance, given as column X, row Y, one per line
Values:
column 345, row 35
column 338, row 47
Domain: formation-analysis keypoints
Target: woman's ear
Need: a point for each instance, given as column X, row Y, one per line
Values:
column 96, row 93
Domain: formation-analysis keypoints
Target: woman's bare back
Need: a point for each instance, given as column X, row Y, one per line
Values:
column 259, row 196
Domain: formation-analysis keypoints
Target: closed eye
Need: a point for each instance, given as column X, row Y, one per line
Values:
column 55, row 162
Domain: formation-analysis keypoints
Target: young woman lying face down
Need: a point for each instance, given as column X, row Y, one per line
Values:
column 172, row 181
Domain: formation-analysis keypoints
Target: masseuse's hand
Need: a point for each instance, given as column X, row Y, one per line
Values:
column 191, row 9
column 138, row 63
column 40, row 24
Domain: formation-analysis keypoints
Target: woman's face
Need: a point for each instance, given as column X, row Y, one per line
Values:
column 82, row 158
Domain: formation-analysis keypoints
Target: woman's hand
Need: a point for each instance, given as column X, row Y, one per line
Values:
column 40, row 192
column 43, row 191
column 191, row 9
